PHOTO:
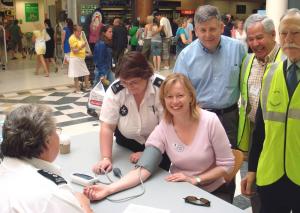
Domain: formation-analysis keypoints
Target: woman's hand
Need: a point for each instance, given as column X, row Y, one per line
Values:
column 104, row 165
column 179, row 177
column 134, row 157
column 96, row 192
column 84, row 202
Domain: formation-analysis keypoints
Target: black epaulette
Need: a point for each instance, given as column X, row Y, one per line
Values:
column 58, row 180
column 158, row 81
column 117, row 87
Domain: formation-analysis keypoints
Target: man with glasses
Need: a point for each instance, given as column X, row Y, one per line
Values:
column 274, row 156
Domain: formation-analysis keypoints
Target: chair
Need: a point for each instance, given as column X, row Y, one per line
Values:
column 238, row 161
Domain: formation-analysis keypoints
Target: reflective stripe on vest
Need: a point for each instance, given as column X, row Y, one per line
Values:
column 243, row 72
column 281, row 114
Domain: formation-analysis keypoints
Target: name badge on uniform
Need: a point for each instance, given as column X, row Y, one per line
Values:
column 178, row 147
column 123, row 110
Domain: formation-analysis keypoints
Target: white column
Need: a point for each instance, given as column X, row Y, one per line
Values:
column 72, row 10
column 274, row 10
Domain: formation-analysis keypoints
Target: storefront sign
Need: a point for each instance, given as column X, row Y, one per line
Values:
column 8, row 3
column 31, row 12
column 187, row 12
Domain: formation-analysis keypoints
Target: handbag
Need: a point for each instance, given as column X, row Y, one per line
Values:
column 162, row 34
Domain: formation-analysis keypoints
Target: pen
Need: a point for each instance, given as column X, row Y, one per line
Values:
column 153, row 109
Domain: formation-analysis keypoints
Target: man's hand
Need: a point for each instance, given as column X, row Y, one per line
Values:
column 247, row 182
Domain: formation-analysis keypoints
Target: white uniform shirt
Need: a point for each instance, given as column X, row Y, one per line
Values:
column 23, row 189
column 120, row 108
column 167, row 26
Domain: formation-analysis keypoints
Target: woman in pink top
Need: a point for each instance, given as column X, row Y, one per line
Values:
column 193, row 138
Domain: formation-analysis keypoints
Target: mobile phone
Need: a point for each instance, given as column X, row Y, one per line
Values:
column 83, row 179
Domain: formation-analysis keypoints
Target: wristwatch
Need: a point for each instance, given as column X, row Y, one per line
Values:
column 198, row 180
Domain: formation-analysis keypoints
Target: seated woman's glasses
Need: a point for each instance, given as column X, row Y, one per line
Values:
column 197, row 201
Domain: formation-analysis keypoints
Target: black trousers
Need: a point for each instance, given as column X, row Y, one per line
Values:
column 283, row 196
column 137, row 147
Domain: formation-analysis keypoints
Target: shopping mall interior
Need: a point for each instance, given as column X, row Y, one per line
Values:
column 19, row 84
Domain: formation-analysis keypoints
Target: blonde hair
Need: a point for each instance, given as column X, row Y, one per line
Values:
column 186, row 83
column 149, row 19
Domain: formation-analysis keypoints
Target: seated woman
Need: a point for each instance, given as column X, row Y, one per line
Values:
column 130, row 110
column 29, row 181
column 193, row 138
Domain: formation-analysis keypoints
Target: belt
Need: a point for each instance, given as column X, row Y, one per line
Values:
column 223, row 111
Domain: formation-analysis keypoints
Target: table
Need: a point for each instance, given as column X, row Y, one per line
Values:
column 159, row 193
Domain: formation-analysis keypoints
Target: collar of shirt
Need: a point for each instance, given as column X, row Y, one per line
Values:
column 270, row 57
column 45, row 165
column 289, row 64
column 209, row 51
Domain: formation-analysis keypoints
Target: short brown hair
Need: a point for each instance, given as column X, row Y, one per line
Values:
column 132, row 65
column 186, row 83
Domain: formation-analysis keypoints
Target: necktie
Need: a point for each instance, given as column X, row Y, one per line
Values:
column 291, row 79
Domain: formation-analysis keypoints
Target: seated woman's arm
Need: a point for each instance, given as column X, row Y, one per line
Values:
column 146, row 166
column 131, row 179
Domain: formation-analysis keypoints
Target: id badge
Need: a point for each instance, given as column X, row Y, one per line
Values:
column 254, row 91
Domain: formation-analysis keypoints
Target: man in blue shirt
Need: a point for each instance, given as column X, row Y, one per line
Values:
column 212, row 63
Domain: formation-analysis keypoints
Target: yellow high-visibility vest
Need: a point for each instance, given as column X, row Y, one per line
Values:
column 244, row 129
column 281, row 149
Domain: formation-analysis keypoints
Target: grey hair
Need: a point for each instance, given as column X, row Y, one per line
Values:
column 26, row 130
column 267, row 23
column 292, row 11
column 205, row 13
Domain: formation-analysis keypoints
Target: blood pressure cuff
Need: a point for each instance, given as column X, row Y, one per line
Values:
column 150, row 159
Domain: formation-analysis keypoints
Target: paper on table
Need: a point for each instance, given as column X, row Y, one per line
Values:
column 133, row 208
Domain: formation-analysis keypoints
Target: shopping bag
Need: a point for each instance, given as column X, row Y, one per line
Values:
column 96, row 97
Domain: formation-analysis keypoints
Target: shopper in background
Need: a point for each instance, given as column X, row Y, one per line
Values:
column 39, row 37
column 77, row 65
column 50, row 45
column 132, row 32
column 165, row 30
column 66, row 34
column 103, row 57
column 147, row 37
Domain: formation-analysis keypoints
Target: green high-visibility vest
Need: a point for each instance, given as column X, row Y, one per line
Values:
column 244, row 129
column 281, row 149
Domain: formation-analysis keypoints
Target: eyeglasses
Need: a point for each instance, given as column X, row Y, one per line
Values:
column 197, row 201
column 58, row 130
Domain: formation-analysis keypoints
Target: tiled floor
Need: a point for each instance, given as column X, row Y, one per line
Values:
column 18, row 85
